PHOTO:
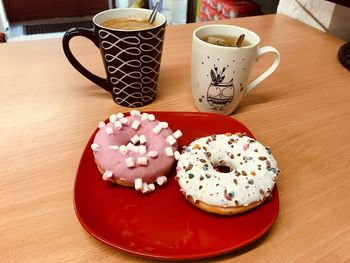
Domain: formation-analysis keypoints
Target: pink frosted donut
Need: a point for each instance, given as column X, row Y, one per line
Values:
column 135, row 150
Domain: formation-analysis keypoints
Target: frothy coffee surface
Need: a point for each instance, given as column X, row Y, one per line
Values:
column 127, row 24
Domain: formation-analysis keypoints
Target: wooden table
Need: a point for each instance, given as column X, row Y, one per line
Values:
column 48, row 112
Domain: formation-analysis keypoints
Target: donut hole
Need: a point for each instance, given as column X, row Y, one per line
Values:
column 223, row 168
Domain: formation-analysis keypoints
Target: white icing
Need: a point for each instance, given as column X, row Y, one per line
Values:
column 197, row 177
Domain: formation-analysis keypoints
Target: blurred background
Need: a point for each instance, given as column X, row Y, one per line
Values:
column 34, row 19
column 49, row 18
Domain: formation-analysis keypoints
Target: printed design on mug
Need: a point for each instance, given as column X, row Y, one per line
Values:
column 133, row 71
column 219, row 93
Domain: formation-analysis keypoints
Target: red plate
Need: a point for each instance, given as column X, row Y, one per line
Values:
column 162, row 224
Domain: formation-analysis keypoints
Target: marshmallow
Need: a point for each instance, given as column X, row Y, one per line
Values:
column 113, row 147
column 151, row 187
column 101, row 124
column 171, row 140
column 138, row 184
column 152, row 154
column 142, row 161
column 135, row 125
column 145, row 188
column 177, row 155
column 163, row 124
column 135, row 113
column 95, row 147
column 135, row 139
column 109, row 130
column 177, row 134
column 113, row 118
column 124, row 121
column 123, row 149
column 142, row 149
column 157, row 129
column 130, row 162
column 151, row 117
column 132, row 147
column 117, row 125
column 169, row 152
column 144, row 116
column 143, row 139
column 120, row 115
column 107, row 175
column 161, row 180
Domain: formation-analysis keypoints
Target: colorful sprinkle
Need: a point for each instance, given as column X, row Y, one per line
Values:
column 229, row 195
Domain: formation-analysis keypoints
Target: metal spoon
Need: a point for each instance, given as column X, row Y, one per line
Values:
column 239, row 41
column 153, row 15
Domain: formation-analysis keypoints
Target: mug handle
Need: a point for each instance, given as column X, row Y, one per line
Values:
column 89, row 34
column 272, row 68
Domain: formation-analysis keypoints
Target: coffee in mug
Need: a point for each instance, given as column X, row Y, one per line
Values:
column 128, row 24
column 131, row 50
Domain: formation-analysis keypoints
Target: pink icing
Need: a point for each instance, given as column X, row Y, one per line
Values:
column 113, row 160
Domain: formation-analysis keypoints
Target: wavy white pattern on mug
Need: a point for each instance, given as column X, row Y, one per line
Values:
column 150, row 65
column 147, row 70
column 131, row 63
column 108, row 45
column 151, row 35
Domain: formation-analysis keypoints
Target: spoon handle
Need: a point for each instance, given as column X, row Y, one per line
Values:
column 153, row 15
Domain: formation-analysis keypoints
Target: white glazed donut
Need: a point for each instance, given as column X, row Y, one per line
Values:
column 252, row 175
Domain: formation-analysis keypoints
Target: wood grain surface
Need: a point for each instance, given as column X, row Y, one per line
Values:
column 48, row 112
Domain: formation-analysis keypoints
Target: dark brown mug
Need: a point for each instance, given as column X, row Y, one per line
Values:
column 131, row 57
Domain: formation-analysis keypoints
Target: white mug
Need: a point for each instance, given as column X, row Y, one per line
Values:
column 220, row 74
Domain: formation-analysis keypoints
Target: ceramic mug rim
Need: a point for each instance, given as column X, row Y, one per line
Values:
column 252, row 34
column 159, row 18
